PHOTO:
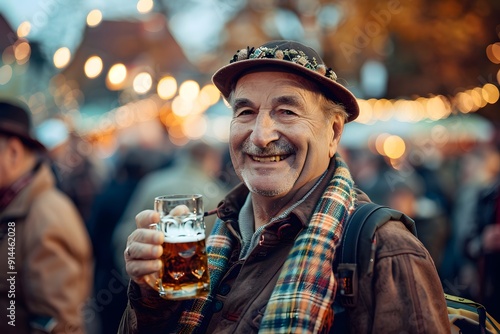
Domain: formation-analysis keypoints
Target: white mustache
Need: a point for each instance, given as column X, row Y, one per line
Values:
column 274, row 148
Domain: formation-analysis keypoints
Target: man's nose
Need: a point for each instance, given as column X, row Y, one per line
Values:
column 265, row 130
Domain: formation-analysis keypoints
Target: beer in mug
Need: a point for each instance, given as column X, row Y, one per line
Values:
column 184, row 273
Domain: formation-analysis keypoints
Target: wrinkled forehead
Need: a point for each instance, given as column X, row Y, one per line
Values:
column 283, row 78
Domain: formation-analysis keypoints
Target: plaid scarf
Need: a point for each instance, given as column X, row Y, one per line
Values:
column 302, row 299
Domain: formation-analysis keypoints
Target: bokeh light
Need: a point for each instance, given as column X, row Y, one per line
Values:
column 167, row 87
column 189, row 90
column 23, row 29
column 394, row 147
column 22, row 52
column 493, row 53
column 5, row 74
column 379, row 143
column 490, row 93
column 181, row 106
column 142, row 83
column 145, row 6
column 62, row 57
column 93, row 67
column 211, row 92
column 94, row 17
column 116, row 76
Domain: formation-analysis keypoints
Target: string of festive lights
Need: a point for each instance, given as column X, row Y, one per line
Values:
column 181, row 106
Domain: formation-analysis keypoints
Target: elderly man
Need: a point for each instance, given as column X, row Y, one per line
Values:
column 271, row 251
column 45, row 276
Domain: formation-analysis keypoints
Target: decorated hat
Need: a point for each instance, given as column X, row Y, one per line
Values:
column 16, row 121
column 289, row 56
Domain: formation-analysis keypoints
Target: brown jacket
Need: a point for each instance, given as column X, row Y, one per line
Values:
column 405, row 295
column 46, row 243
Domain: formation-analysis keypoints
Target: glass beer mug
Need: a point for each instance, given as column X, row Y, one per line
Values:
column 184, row 273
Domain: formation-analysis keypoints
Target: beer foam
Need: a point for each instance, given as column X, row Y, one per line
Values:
column 184, row 238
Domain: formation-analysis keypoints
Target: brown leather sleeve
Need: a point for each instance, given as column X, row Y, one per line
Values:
column 147, row 313
column 405, row 294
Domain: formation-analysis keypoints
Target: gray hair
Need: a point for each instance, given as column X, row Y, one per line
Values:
column 330, row 107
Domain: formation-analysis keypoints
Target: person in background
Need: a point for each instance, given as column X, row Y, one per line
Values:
column 109, row 294
column 271, row 251
column 194, row 171
column 482, row 243
column 79, row 175
column 46, row 267
column 430, row 220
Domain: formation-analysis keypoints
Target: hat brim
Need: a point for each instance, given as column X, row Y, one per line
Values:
column 28, row 141
column 226, row 77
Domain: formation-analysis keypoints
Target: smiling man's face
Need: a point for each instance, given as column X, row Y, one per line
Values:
column 280, row 138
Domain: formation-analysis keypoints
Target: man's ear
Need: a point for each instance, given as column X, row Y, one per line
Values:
column 337, row 128
column 16, row 151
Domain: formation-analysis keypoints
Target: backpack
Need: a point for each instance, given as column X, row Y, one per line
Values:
column 356, row 257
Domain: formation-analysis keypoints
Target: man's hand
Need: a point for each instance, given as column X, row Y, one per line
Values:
column 144, row 247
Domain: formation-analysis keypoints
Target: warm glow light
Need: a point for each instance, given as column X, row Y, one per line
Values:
column 22, row 52
column 181, row 106
column 211, row 92
column 403, row 110
column 147, row 109
column 145, row 6
column 94, row 18
column 142, row 82
column 490, row 93
column 62, row 57
column 493, row 53
column 201, row 104
column 175, row 131
column 195, row 128
column 24, row 29
column 167, row 87
column 415, row 110
column 177, row 141
column 124, row 117
column 379, row 143
column 384, row 109
column 5, row 74
column 436, row 109
column 117, row 74
column 480, row 97
column 394, row 147
column 476, row 99
column 93, row 67
column 464, row 102
column 189, row 90
column 365, row 112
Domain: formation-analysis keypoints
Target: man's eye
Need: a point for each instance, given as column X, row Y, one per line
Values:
column 288, row 112
column 244, row 112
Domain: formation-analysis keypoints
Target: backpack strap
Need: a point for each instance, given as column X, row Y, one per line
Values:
column 356, row 251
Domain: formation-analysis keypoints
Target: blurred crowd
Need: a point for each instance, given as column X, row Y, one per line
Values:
column 109, row 193
column 454, row 201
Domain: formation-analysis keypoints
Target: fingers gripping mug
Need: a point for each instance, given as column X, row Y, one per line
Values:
column 184, row 273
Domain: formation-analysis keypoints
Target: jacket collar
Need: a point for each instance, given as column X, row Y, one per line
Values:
column 230, row 206
column 232, row 203
column 19, row 207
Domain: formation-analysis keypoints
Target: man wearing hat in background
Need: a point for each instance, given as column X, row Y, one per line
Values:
column 46, row 267
column 271, row 251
